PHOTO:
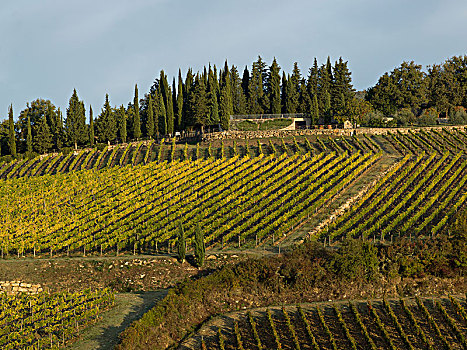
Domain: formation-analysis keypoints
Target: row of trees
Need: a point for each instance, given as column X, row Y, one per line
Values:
column 442, row 88
column 207, row 98
column 210, row 97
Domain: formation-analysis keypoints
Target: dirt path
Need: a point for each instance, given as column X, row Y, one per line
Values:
column 358, row 184
column 128, row 308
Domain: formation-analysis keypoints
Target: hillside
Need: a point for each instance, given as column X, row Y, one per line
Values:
column 358, row 217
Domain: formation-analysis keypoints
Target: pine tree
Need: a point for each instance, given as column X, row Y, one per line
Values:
column 75, row 122
column 200, row 247
column 136, row 120
column 91, row 127
column 150, row 118
column 12, row 133
column 181, row 243
column 29, row 136
column 274, row 88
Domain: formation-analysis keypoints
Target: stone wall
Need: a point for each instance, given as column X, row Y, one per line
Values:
column 310, row 132
column 15, row 287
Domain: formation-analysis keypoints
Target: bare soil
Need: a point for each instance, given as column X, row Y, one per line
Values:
column 122, row 274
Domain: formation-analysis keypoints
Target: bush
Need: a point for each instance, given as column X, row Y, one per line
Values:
column 428, row 117
column 405, row 117
column 458, row 117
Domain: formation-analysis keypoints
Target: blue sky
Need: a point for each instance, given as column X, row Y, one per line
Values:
column 50, row 47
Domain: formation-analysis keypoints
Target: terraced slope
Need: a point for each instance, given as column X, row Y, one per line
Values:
column 419, row 323
column 237, row 201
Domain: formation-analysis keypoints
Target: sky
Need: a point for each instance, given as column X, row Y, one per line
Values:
column 50, row 47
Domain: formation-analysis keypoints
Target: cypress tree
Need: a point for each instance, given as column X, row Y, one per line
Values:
column 314, row 110
column 225, row 108
column 212, row 96
column 274, row 88
column 75, row 122
column 256, row 87
column 59, row 132
column 305, row 102
column 42, row 141
column 200, row 247
column 181, row 245
column 136, row 120
column 106, row 125
column 294, row 93
column 11, row 134
column 166, row 94
column 170, row 113
column 290, row 99
column 91, row 127
column 175, row 105
column 150, row 119
column 188, row 88
column 213, row 110
column 312, row 83
column 245, row 83
column 162, row 115
column 180, row 102
column 284, row 92
column 341, row 88
column 29, row 137
column 199, row 107
column 238, row 95
column 120, row 115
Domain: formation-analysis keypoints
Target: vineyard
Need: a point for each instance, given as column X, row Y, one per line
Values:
column 432, row 141
column 240, row 200
column 244, row 194
column 417, row 197
column 131, row 199
column 149, row 151
column 420, row 323
column 43, row 321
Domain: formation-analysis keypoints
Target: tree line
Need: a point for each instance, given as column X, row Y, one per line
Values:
column 414, row 96
column 194, row 102
column 208, row 98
